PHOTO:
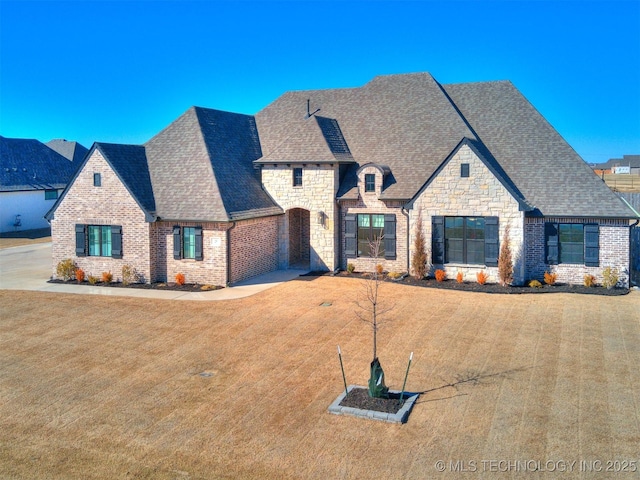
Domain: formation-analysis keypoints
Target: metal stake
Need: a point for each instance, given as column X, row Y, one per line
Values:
column 344, row 379
column 405, row 378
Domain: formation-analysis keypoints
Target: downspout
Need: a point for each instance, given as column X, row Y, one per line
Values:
column 405, row 212
column 233, row 224
column 630, row 229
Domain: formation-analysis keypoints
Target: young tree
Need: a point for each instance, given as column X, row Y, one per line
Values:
column 370, row 311
column 505, row 260
column 419, row 257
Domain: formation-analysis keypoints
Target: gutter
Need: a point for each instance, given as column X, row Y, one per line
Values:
column 233, row 224
column 406, row 214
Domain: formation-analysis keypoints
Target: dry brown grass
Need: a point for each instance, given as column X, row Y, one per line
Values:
column 97, row 387
column 28, row 237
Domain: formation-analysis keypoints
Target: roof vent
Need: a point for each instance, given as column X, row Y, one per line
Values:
column 309, row 112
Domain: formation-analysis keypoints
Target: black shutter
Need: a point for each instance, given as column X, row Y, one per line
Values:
column 390, row 236
column 591, row 245
column 198, row 236
column 491, row 241
column 177, row 244
column 437, row 240
column 551, row 243
column 116, row 241
column 81, row 240
column 350, row 239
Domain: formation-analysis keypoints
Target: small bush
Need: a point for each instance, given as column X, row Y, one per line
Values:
column 609, row 278
column 394, row 275
column 129, row 275
column 66, row 269
column 441, row 275
column 535, row 284
column 180, row 278
column 107, row 277
column 482, row 277
column 79, row 275
column 550, row 278
column 93, row 280
column 351, row 268
column 589, row 280
column 206, row 288
column 460, row 277
column 379, row 269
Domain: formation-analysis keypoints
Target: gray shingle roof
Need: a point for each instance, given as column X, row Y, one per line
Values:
column 27, row 164
column 70, row 150
column 550, row 174
column 201, row 168
column 412, row 124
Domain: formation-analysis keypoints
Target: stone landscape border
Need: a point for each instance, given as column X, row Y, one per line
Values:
column 400, row 417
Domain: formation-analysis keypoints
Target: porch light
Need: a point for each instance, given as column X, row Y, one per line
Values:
column 320, row 218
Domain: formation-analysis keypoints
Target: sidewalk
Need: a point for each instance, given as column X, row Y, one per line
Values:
column 29, row 267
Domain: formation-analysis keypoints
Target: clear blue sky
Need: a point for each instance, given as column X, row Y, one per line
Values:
column 120, row 71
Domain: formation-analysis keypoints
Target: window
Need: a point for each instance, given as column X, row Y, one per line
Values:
column 369, row 182
column 99, row 240
column 187, row 243
column 50, row 194
column 572, row 243
column 97, row 180
column 361, row 228
column 465, row 240
column 464, row 170
column 297, row 177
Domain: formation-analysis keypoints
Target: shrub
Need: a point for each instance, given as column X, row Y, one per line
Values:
column 394, row 275
column 460, row 277
column 206, row 288
column 107, row 277
column 419, row 257
column 79, row 275
column 129, row 275
column 66, row 269
column 441, row 275
column 379, row 269
column 351, row 268
column 550, row 278
column 589, row 280
column 180, row 278
column 93, row 280
column 482, row 277
column 505, row 260
column 609, row 278
column 535, row 284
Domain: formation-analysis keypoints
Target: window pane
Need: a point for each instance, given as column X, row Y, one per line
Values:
column 94, row 241
column 106, row 241
column 369, row 182
column 363, row 220
column 378, row 221
column 453, row 251
column 571, row 237
column 475, row 229
column 475, row 252
column 189, row 242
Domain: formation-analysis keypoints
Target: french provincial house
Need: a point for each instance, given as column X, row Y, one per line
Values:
column 32, row 175
column 310, row 179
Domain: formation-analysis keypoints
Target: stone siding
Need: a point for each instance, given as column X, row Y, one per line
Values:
column 480, row 194
column 614, row 251
column 317, row 195
column 109, row 204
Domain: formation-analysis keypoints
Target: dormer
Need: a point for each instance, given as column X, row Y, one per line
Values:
column 371, row 178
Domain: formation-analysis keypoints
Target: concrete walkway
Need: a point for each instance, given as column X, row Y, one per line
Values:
column 29, row 267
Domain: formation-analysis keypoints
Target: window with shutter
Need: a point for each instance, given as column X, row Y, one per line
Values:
column 491, row 241
column 437, row 240
column 551, row 243
column 198, row 243
column 81, row 240
column 350, row 240
column 177, row 243
column 390, row 237
column 591, row 245
column 116, row 241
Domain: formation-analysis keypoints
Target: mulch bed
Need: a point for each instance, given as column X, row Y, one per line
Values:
column 359, row 398
column 169, row 286
column 490, row 287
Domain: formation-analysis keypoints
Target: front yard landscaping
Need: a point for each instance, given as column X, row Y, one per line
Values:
column 121, row 387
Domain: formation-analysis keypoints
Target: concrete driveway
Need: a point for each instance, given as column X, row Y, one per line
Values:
column 29, row 267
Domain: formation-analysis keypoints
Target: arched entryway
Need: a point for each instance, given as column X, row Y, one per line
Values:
column 299, row 235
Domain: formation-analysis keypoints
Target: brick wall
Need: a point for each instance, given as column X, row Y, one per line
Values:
column 614, row 250
column 109, row 204
column 479, row 194
column 254, row 248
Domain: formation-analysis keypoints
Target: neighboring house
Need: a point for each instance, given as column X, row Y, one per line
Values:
column 628, row 164
column 32, row 175
column 310, row 179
